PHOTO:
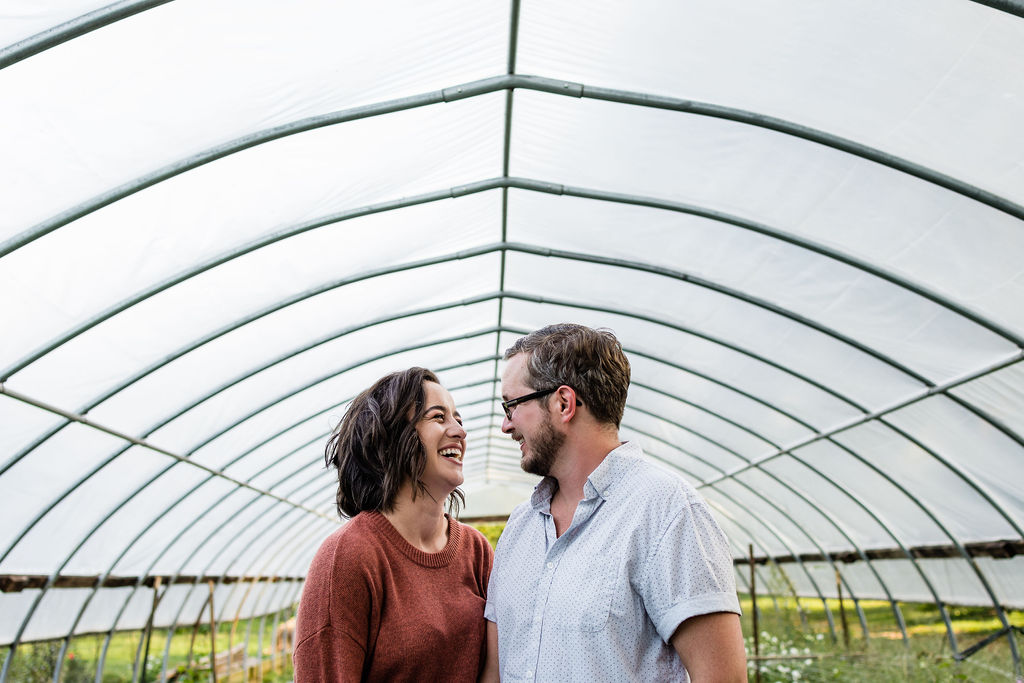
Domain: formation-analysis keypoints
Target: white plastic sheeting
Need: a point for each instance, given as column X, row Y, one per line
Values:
column 220, row 221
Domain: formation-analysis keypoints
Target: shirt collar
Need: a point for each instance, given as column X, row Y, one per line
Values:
column 601, row 481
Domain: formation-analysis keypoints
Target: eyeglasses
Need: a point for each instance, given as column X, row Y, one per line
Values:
column 511, row 404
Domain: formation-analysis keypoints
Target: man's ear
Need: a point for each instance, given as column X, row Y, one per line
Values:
column 566, row 397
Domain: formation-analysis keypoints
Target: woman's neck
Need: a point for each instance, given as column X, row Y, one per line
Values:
column 421, row 522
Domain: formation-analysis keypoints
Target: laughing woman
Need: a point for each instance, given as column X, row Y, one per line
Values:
column 397, row 593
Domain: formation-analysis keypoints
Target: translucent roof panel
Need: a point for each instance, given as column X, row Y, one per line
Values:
column 803, row 220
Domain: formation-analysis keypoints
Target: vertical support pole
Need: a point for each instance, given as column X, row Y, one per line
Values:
column 149, row 624
column 842, row 611
column 213, row 636
column 195, row 631
column 753, row 616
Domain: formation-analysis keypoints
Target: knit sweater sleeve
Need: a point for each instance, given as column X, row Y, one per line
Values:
column 338, row 610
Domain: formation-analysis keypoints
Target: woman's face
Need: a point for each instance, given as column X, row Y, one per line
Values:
column 444, row 441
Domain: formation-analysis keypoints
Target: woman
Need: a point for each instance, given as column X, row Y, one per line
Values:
column 398, row 592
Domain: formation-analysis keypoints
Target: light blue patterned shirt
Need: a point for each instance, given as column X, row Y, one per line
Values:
column 600, row 602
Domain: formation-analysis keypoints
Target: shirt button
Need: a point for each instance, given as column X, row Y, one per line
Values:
column 604, row 493
column 529, row 674
column 551, row 565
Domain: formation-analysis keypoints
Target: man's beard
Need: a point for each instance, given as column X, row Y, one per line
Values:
column 544, row 448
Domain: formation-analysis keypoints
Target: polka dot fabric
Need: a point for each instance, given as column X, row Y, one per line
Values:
column 599, row 603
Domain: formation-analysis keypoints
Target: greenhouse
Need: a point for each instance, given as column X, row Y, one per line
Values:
column 221, row 221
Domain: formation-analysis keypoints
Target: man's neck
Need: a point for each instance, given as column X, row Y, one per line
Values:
column 575, row 463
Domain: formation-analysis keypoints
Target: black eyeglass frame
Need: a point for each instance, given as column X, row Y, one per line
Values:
column 510, row 405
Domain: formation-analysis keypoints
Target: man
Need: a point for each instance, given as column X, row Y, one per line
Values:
column 614, row 570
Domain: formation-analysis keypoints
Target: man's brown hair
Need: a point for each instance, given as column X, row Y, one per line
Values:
column 590, row 361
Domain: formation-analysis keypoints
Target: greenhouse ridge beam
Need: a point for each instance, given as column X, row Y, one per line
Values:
column 507, row 82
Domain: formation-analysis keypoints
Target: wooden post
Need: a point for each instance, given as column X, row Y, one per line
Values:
column 753, row 616
column 213, row 636
column 149, row 624
column 842, row 611
column 195, row 630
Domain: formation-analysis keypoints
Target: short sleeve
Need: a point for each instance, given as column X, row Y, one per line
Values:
column 690, row 572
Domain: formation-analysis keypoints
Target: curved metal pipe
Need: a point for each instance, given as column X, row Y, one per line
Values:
column 508, row 82
column 79, row 26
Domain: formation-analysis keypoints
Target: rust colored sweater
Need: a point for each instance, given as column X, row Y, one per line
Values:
column 375, row 608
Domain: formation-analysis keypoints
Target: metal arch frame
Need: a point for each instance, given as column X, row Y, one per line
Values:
column 511, row 82
column 69, row 30
column 505, row 247
column 998, row 5
column 963, row 474
column 531, row 185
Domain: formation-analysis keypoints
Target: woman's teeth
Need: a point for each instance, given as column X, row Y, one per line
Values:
column 451, row 453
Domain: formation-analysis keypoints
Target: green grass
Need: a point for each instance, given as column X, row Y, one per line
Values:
column 883, row 656
column 34, row 662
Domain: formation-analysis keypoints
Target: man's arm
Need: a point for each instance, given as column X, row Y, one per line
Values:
column 711, row 648
column 489, row 674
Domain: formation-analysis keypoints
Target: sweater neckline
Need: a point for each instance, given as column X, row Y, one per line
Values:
column 439, row 559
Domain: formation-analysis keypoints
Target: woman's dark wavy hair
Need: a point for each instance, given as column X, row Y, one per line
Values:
column 376, row 449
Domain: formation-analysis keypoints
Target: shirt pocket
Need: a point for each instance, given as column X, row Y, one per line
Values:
column 586, row 588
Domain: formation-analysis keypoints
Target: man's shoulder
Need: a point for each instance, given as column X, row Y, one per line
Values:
column 658, row 486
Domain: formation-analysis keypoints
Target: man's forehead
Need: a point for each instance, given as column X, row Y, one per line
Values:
column 514, row 372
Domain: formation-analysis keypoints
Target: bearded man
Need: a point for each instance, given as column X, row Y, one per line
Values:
column 614, row 570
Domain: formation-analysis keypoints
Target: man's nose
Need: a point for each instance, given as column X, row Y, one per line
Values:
column 506, row 425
